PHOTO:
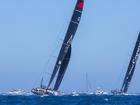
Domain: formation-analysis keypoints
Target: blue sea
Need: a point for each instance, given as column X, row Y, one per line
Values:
column 70, row 100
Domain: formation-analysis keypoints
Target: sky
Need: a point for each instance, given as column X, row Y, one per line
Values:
column 31, row 34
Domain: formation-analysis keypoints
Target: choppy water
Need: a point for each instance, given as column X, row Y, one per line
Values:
column 70, row 100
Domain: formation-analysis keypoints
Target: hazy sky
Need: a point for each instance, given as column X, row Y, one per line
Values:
column 30, row 30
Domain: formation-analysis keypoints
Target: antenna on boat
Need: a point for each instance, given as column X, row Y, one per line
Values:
column 88, row 85
column 41, row 85
column 86, row 81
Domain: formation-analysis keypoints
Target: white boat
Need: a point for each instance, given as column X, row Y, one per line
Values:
column 86, row 93
column 17, row 92
column 99, row 91
column 74, row 93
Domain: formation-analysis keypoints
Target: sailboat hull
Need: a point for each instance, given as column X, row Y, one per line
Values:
column 45, row 91
column 116, row 92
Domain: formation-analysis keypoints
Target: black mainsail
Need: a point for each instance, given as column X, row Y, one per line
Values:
column 131, row 67
column 65, row 51
column 62, row 70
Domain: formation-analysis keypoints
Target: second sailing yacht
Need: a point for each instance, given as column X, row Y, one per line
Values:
column 131, row 68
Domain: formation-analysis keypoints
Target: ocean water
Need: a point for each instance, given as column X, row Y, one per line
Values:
column 70, row 100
